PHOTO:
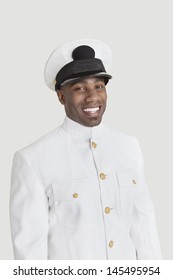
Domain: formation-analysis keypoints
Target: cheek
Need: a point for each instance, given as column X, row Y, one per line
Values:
column 104, row 97
column 72, row 104
column 76, row 101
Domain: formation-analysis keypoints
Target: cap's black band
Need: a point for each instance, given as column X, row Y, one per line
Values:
column 79, row 68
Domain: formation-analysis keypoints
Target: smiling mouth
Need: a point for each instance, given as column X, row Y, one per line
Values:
column 92, row 110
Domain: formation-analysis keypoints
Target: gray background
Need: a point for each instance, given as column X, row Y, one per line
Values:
column 140, row 94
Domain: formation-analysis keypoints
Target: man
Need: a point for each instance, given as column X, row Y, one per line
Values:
column 79, row 192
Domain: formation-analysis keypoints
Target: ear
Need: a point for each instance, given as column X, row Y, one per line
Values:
column 61, row 97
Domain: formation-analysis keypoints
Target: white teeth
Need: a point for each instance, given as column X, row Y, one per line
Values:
column 91, row 110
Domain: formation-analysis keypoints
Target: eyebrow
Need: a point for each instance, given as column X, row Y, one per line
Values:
column 97, row 79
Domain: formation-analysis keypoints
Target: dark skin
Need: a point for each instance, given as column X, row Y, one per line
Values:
column 85, row 100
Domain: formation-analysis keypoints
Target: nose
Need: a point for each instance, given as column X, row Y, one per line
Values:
column 91, row 95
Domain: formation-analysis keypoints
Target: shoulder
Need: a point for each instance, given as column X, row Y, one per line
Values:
column 41, row 145
column 119, row 137
column 123, row 145
column 126, row 145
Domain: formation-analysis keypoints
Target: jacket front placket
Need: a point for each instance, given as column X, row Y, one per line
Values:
column 108, row 189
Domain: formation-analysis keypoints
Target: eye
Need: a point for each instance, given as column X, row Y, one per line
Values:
column 100, row 86
column 79, row 89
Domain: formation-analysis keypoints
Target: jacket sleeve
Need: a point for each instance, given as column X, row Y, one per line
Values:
column 28, row 212
column 143, row 230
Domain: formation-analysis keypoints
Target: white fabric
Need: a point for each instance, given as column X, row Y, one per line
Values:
column 49, row 222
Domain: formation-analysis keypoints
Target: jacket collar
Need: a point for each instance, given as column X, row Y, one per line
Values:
column 82, row 131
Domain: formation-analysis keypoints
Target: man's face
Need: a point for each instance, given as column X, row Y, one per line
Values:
column 84, row 101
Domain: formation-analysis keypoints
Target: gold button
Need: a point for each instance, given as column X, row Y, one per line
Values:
column 94, row 145
column 134, row 181
column 107, row 210
column 102, row 176
column 75, row 195
column 111, row 244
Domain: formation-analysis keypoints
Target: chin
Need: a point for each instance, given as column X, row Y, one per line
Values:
column 92, row 122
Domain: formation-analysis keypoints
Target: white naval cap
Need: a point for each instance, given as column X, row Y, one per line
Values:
column 77, row 59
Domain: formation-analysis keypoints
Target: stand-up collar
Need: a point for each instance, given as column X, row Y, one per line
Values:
column 81, row 130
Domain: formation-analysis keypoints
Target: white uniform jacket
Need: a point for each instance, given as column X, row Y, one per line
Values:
column 79, row 193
